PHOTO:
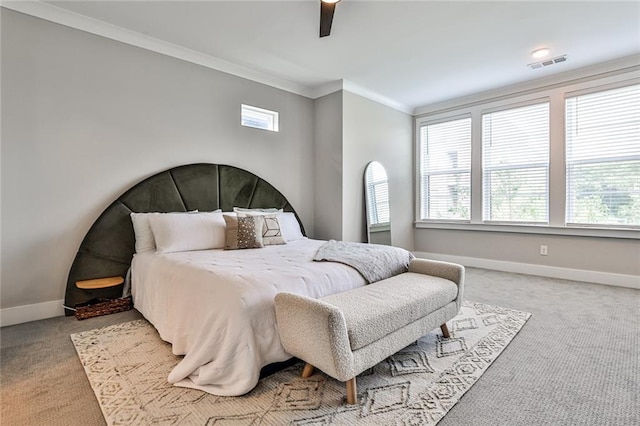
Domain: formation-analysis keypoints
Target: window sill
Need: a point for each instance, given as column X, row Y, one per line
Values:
column 534, row 229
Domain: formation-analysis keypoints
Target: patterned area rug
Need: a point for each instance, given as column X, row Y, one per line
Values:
column 128, row 364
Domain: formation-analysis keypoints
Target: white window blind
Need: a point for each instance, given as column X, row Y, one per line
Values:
column 515, row 147
column 445, row 170
column 377, row 194
column 603, row 157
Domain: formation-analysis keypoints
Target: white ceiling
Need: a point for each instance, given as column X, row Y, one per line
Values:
column 413, row 53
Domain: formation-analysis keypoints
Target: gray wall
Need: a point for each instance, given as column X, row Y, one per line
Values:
column 620, row 256
column 374, row 132
column 349, row 132
column 328, row 152
column 609, row 255
column 84, row 118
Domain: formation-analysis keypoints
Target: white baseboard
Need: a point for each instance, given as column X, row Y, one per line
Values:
column 38, row 311
column 27, row 313
column 607, row 278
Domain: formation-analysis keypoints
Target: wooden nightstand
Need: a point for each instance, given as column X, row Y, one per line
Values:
column 97, row 307
column 99, row 283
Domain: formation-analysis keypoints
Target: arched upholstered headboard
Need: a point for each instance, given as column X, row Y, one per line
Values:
column 108, row 247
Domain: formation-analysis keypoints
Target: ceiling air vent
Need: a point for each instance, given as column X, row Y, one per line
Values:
column 548, row 62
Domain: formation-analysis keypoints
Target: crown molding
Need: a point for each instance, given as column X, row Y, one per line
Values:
column 349, row 86
column 326, row 89
column 625, row 65
column 366, row 93
column 84, row 23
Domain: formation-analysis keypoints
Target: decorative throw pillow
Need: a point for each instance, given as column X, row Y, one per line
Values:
column 243, row 232
column 271, row 231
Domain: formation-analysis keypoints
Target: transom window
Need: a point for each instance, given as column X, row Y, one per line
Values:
column 259, row 118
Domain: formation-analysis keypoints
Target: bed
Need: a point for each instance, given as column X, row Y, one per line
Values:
column 214, row 306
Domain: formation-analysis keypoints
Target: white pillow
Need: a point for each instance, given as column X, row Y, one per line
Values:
column 143, row 233
column 186, row 232
column 290, row 227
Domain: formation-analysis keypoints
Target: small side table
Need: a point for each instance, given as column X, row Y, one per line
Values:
column 99, row 283
column 100, row 307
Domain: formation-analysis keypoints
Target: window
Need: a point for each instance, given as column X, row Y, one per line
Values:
column 515, row 148
column 445, row 170
column 603, row 157
column 259, row 118
column 377, row 194
column 563, row 159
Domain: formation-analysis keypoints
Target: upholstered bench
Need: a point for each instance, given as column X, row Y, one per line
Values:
column 347, row 333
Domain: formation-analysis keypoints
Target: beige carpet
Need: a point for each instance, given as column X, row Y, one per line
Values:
column 127, row 365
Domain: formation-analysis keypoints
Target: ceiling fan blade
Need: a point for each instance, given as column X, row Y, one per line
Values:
column 326, row 17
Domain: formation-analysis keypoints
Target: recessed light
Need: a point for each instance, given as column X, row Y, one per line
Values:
column 541, row 53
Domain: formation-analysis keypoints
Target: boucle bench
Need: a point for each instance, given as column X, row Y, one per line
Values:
column 347, row 333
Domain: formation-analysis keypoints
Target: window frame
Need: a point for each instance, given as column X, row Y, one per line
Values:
column 272, row 118
column 498, row 100
column 419, row 126
column 578, row 93
column 485, row 196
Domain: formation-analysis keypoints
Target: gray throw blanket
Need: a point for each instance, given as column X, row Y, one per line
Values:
column 374, row 262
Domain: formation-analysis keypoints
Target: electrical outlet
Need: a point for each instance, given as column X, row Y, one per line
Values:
column 543, row 250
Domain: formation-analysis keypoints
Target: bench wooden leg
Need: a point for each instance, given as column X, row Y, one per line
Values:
column 307, row 371
column 445, row 330
column 352, row 396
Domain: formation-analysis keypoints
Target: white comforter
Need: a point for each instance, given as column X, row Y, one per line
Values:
column 216, row 307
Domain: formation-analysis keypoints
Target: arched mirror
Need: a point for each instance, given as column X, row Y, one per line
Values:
column 376, row 190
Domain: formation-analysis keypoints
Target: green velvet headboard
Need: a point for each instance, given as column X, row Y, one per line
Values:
column 108, row 247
